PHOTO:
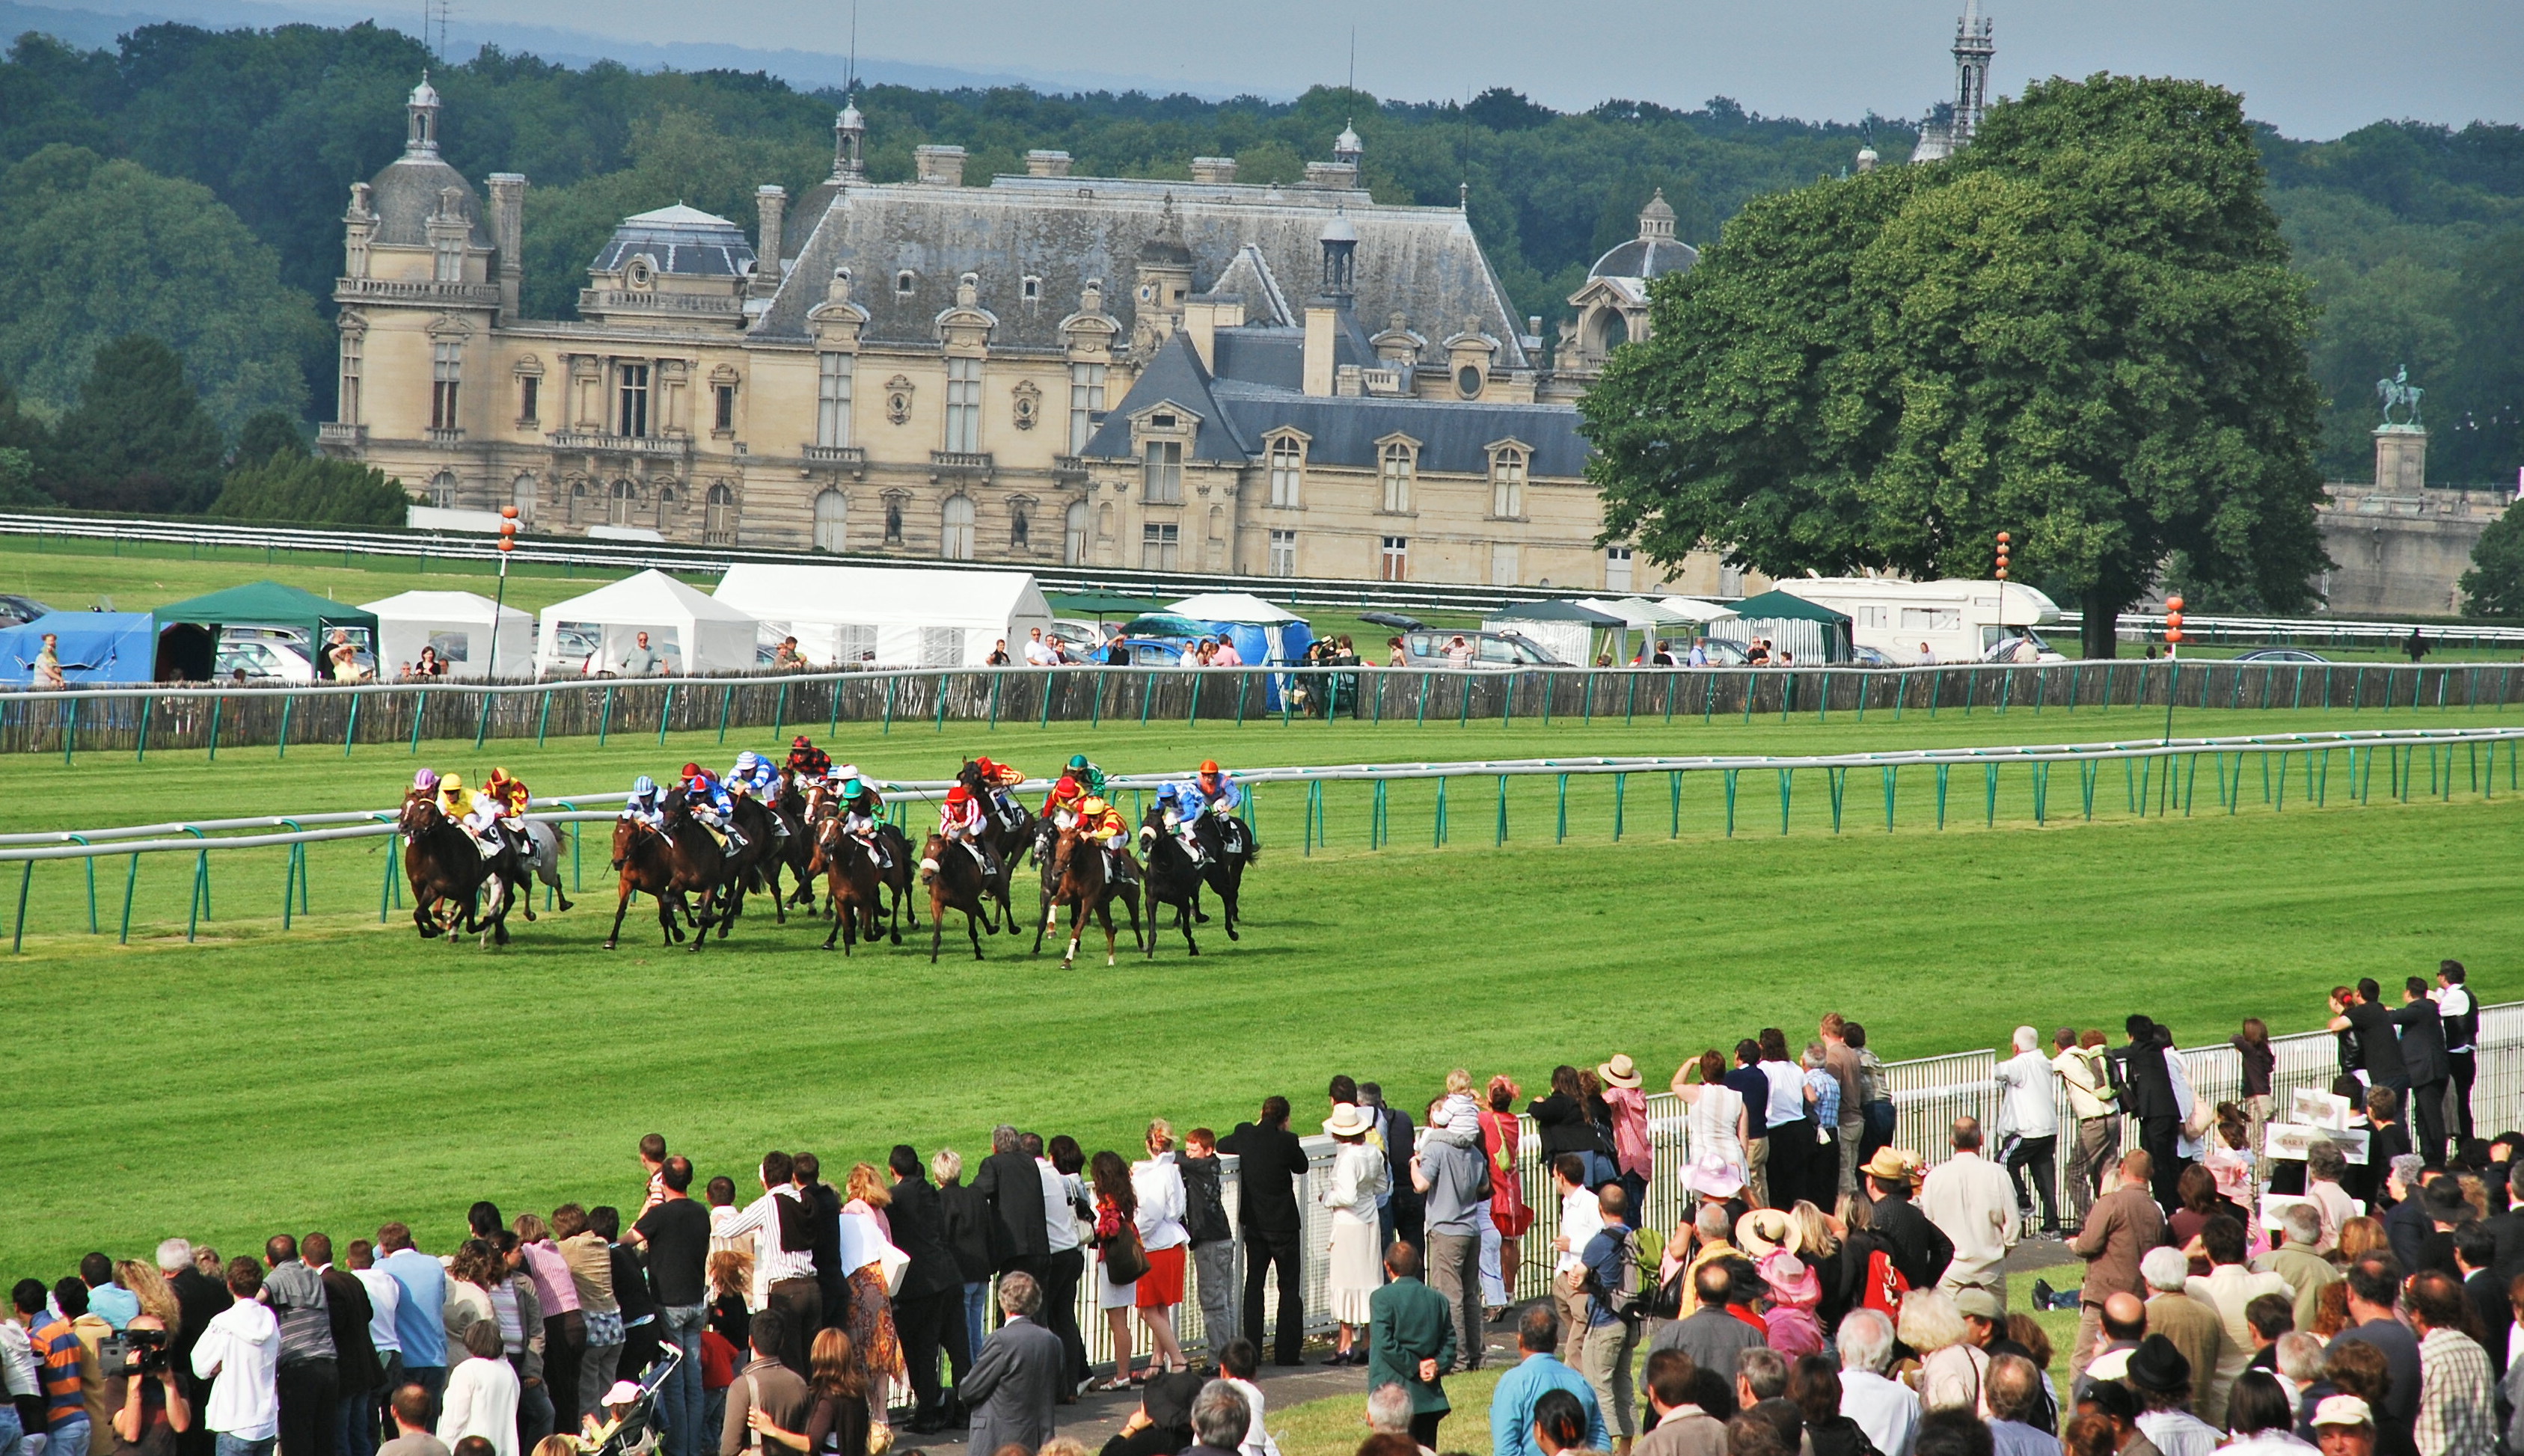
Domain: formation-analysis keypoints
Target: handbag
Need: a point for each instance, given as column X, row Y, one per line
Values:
column 892, row 1262
column 1126, row 1258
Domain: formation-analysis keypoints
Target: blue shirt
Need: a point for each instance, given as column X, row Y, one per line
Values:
column 1826, row 1103
column 112, row 1303
column 1512, row 1406
column 1602, row 1256
column 1754, row 1086
column 421, row 1320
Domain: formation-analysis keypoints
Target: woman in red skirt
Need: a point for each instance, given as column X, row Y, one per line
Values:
column 1159, row 1185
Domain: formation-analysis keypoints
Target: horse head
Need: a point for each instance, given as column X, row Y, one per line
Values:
column 419, row 815
column 626, row 832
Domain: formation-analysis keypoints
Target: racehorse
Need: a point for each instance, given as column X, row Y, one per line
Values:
column 695, row 862
column 648, row 863
column 1172, row 879
column 893, row 875
column 447, row 868
column 956, row 881
column 1009, row 833
column 539, row 857
column 851, row 883
column 1046, row 847
column 1079, row 881
column 1226, row 846
column 794, row 810
column 748, row 866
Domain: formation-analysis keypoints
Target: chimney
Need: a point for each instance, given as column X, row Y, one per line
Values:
column 770, row 204
column 1323, row 332
column 508, row 234
column 939, row 166
column 1213, row 171
column 1046, row 163
column 1339, row 242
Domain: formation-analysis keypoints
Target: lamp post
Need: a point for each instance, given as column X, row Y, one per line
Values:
column 499, row 604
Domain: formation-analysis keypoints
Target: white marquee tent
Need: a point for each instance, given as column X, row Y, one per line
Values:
column 459, row 625
column 893, row 616
column 597, row 633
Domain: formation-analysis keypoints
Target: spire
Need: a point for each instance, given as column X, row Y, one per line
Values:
column 1973, row 48
column 1346, row 147
column 1656, row 219
column 421, row 121
column 849, row 135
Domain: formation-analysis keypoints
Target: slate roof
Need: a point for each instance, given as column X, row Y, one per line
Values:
column 406, row 197
column 1236, row 409
column 1645, row 258
column 1421, row 261
column 680, row 240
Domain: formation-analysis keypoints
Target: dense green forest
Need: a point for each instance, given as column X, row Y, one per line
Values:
column 189, row 185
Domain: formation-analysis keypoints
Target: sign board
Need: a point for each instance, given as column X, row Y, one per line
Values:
column 2314, row 1108
column 2291, row 1141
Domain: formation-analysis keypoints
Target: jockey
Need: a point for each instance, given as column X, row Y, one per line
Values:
column 752, row 774
column 1180, row 807
column 961, row 818
column 425, row 782
column 709, row 802
column 860, row 806
column 1062, row 801
column 463, row 809
column 1218, row 794
column 644, row 808
column 1000, row 777
column 806, row 761
column 1088, row 776
column 502, row 802
column 1099, row 822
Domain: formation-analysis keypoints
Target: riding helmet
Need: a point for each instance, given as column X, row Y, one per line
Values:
column 425, row 781
column 1078, row 761
column 644, row 787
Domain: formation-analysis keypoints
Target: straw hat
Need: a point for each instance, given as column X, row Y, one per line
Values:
column 1766, row 1231
column 1891, row 1165
column 1621, row 1071
column 1349, row 1120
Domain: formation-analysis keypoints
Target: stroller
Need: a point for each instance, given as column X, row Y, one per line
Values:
column 636, row 1433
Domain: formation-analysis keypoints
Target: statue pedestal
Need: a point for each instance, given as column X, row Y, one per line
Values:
column 2401, row 460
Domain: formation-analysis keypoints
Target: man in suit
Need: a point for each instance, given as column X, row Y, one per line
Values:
column 2425, row 1064
column 2146, row 1094
column 1008, row 1183
column 928, row 1310
column 1411, row 1340
column 345, row 1302
column 1014, row 1381
column 1270, row 1161
column 2379, row 1047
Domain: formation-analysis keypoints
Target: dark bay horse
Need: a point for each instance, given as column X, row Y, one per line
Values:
column 1047, row 851
column 851, row 883
column 794, row 806
column 1078, row 877
column 449, row 872
column 754, row 866
column 956, row 880
column 1228, row 845
column 893, row 872
column 1010, row 834
column 1172, row 880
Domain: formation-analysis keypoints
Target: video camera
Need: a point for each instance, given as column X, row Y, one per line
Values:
column 132, row 1352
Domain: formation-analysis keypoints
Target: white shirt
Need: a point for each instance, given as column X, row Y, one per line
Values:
column 1582, row 1218
column 385, row 1300
column 1885, row 1410
column 240, row 1345
column 2452, row 1001
column 1971, row 1198
column 1257, row 1441
column 762, row 1219
column 481, row 1400
column 1037, row 653
column 2178, row 1433
column 2268, row 1444
column 1059, row 1205
column 1787, row 1092
column 1159, row 1186
column 17, row 1361
column 2030, row 1112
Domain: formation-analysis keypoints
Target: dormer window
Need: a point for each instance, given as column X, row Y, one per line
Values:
column 636, row 275
column 1287, row 471
column 1161, row 472
column 905, row 281
column 1397, row 461
column 1030, row 289
column 1467, row 382
column 1161, row 422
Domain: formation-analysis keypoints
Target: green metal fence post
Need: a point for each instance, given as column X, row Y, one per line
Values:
column 1837, row 781
column 1621, row 784
column 888, row 704
column 216, row 705
column 1440, row 839
column 665, row 713
column 780, row 710
column 1502, row 810
column 1991, row 773
column 1889, row 772
column 604, row 717
column 1941, row 794
column 18, row 932
column 1244, row 682
column 70, row 729
column 542, row 720
column 1674, row 831
column 726, row 708
column 146, row 705
column 130, row 883
column 1784, row 790
column 351, row 728
column 1560, row 835
column 1730, row 800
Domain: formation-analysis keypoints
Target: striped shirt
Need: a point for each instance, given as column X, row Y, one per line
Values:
column 762, row 1218
column 56, row 1347
column 2457, row 1414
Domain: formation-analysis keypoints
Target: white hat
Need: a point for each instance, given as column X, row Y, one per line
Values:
column 622, row 1393
column 2343, row 1410
column 1347, row 1121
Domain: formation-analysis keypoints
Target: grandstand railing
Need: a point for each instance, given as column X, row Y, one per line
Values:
column 225, row 717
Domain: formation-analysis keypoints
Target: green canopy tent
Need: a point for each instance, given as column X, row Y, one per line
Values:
column 1101, row 604
column 1810, row 633
column 189, row 632
column 1563, row 629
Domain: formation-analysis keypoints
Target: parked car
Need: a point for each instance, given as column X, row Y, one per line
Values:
column 2006, row 648
column 2281, row 654
column 14, row 609
column 1869, row 657
column 262, row 660
column 1493, row 651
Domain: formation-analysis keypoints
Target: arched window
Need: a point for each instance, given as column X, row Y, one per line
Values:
column 521, row 495
column 832, row 522
column 1287, row 471
column 1395, row 467
column 1073, row 534
column 718, row 516
column 1217, row 538
column 617, row 509
column 956, row 541
column 442, row 489
column 1612, row 330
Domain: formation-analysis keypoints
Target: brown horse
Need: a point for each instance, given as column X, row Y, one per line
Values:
column 447, row 873
column 795, row 803
column 1010, row 833
column 1079, row 881
column 851, row 884
column 679, row 859
column 646, row 863
column 956, row 880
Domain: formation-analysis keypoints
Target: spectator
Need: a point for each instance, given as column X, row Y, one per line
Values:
column 2462, row 1016
column 1510, row 1216
column 928, row 1308
column 1973, row 1203
column 1271, row 1160
column 240, row 1350
column 2298, row 1261
column 352, row 1317
column 2361, row 1371
column 565, row 1325
column 2227, row 1289
column 875, row 1340
column 2425, row 1069
column 1762, row 1391
column 421, row 1301
column 151, row 1410
column 1611, row 1280
column 1064, row 1203
column 89, row 1332
column 1566, row 1124
column 1017, row 1377
column 2146, row 1094
column 200, row 1296
column 674, row 1233
column 1788, row 1120
column 2028, row 1113
column 106, row 1299
column 2270, row 1318
column 2299, row 1364
column 2160, row 1377
column 1724, row 1321
column 1238, row 1361
column 2015, row 1404
column 2325, row 1168
column 591, row 1271
column 1823, row 1106
column 1162, row 1425
column 2123, row 1225
column 2084, row 1068
column 1883, row 1408
column 2475, row 1249
column 1918, row 1249
column 1358, row 1176
column 631, row 1295
column 1208, row 1236
column 969, row 1228
column 1220, row 1419
column 1841, row 1059
column 1876, row 1096
column 385, row 1301
column 1163, row 1201
column 2190, row 1326
column 1634, row 1160
column 2374, row 1287
column 1515, row 1403
column 1454, row 1182
column 408, row 1408
column 2343, row 1425
column 1117, row 1207
column 1954, row 1373
column 482, row 1393
column 2124, row 1326
column 1752, row 1085
column 836, row 1408
column 783, row 1267
column 1411, row 1343
column 1012, row 1189
column 1680, row 1427
column 2458, row 1410
column 2263, row 1415
column 1715, row 1113
column 767, row 1393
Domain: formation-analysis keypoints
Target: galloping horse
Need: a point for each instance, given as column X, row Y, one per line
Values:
column 893, row 875
column 541, row 859
column 1172, row 879
column 1009, row 834
column 795, row 809
column 955, row 881
column 447, row 868
column 851, row 882
column 695, row 862
column 748, row 866
column 646, row 863
column 1227, row 845
column 1079, row 881
column 1047, row 853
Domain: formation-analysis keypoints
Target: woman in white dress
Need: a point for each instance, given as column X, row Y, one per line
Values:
column 1160, row 1188
column 1714, row 1117
column 1359, row 1174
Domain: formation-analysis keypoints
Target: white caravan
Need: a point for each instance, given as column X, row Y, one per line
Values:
column 1918, row 623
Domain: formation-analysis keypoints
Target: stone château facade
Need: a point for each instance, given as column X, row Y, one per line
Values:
column 1241, row 377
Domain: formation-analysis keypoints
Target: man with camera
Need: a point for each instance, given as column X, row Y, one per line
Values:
column 154, row 1410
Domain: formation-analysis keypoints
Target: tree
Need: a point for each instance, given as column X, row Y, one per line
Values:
column 92, row 250
column 2081, row 330
column 138, row 440
column 17, row 479
column 266, row 435
column 2494, row 585
column 291, row 485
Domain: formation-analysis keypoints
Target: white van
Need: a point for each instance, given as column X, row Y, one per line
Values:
column 1922, row 623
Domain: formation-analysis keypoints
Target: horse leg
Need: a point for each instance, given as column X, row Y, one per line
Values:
column 621, row 907
column 974, row 934
column 1186, row 923
column 1132, row 906
column 937, row 922
column 1104, row 912
column 422, row 918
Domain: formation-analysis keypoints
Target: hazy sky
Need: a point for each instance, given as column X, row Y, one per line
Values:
column 2315, row 68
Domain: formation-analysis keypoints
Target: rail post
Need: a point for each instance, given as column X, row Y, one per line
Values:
column 1620, row 782
column 1676, row 831
column 1889, row 773
column 130, row 883
column 216, row 705
column 1560, row 835
column 1786, row 789
column 603, row 718
column 350, row 725
column 1502, row 811
column 665, row 713
column 90, row 861
column 70, row 729
column 17, row 931
column 146, row 705
column 1730, row 800
column 726, row 706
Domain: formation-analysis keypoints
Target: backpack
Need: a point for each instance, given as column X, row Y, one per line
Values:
column 1883, row 1285
column 1666, row 1303
column 1625, row 1304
